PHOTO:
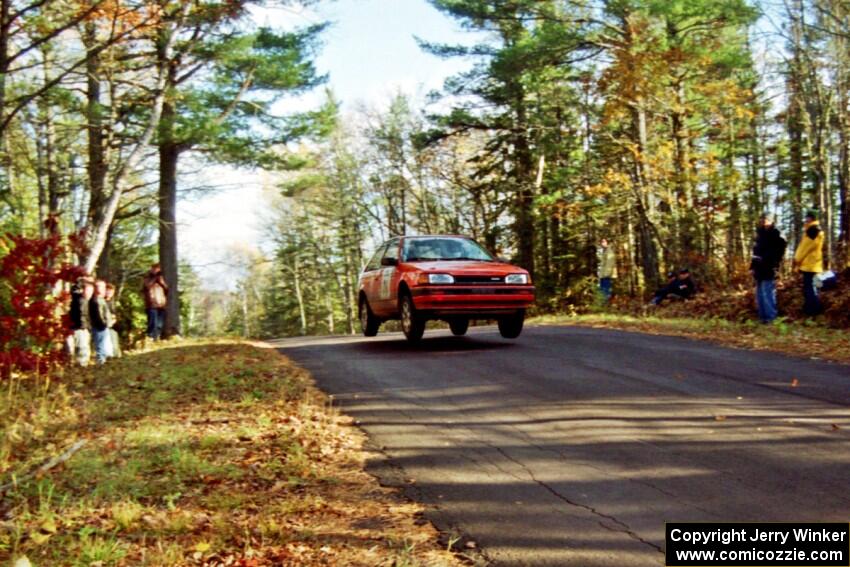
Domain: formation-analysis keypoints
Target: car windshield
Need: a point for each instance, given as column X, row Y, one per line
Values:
column 444, row 248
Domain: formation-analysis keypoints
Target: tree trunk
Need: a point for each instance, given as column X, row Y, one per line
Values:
column 169, row 154
column 299, row 296
column 646, row 237
column 5, row 158
column 523, row 168
column 94, row 119
column 843, row 257
column 164, row 45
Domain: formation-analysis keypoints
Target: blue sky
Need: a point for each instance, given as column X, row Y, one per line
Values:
column 369, row 54
column 370, row 46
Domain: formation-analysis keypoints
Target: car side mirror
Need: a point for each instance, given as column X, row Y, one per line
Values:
column 389, row 261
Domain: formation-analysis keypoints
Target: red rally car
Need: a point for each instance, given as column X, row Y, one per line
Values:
column 450, row 278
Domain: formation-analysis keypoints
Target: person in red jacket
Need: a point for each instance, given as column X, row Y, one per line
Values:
column 155, row 293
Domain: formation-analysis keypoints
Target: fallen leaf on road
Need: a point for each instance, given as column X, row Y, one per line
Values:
column 795, row 383
column 719, row 418
column 471, row 544
column 835, row 427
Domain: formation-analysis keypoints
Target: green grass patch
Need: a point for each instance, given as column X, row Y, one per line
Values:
column 198, row 453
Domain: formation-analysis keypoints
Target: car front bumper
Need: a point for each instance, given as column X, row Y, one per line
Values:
column 482, row 301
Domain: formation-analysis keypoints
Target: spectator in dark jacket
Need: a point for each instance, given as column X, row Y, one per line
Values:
column 768, row 251
column 682, row 287
column 79, row 341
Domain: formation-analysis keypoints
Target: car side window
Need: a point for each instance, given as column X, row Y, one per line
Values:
column 392, row 249
column 375, row 262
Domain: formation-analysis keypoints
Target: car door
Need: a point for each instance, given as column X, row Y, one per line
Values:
column 369, row 277
column 386, row 284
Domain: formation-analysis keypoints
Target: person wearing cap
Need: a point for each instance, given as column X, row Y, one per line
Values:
column 808, row 259
column 607, row 269
column 681, row 286
column 768, row 251
column 79, row 341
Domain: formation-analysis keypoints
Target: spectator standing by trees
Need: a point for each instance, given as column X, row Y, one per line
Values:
column 768, row 252
column 113, row 334
column 607, row 269
column 155, row 292
column 809, row 260
column 79, row 342
column 99, row 313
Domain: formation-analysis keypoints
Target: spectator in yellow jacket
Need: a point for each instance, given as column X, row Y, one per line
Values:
column 809, row 260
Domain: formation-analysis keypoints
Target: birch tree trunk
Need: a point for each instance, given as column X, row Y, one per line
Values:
column 100, row 231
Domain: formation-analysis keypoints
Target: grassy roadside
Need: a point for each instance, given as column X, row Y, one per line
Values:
column 195, row 454
column 797, row 339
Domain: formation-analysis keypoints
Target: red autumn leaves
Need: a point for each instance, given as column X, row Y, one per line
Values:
column 33, row 300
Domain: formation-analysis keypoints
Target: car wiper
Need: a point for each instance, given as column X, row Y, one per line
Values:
column 468, row 259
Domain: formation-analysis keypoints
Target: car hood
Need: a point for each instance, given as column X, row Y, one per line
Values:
column 469, row 267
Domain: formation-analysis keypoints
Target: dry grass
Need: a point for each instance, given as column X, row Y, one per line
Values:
column 196, row 454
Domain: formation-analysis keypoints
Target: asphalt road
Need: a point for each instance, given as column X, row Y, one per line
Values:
column 573, row 446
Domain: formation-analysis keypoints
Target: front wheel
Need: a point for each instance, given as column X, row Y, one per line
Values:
column 459, row 326
column 510, row 327
column 368, row 322
column 412, row 324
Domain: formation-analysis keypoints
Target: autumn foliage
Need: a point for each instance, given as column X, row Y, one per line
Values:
column 32, row 301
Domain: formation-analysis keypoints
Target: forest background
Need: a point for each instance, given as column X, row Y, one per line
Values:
column 666, row 126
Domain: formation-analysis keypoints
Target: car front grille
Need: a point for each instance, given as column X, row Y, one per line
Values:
column 480, row 279
column 473, row 291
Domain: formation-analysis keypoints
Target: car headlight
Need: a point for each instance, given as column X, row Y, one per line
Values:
column 440, row 279
column 516, row 279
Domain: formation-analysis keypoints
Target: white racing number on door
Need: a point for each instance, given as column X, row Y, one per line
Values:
column 386, row 280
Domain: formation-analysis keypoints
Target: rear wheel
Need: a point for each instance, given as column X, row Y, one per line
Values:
column 412, row 324
column 459, row 326
column 510, row 327
column 368, row 322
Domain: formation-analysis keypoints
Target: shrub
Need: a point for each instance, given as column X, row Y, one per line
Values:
column 32, row 299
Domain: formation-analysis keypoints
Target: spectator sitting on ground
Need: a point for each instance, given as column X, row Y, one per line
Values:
column 671, row 278
column 681, row 287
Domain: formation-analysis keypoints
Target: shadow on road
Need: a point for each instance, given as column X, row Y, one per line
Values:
column 433, row 345
column 573, row 447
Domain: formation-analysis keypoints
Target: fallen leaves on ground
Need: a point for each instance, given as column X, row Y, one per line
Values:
column 200, row 454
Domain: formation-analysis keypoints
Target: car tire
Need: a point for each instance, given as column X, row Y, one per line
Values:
column 369, row 324
column 412, row 324
column 510, row 327
column 459, row 326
